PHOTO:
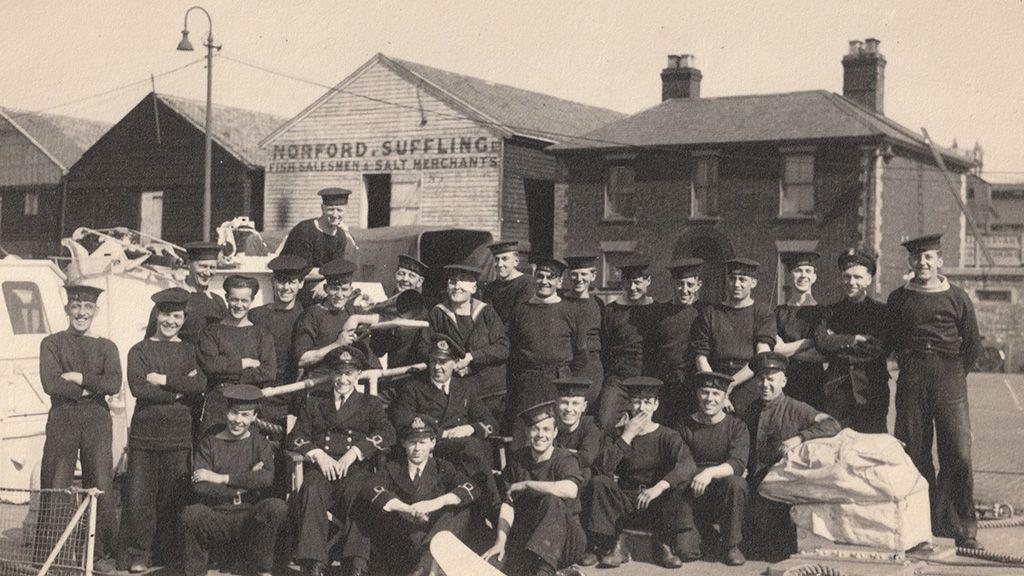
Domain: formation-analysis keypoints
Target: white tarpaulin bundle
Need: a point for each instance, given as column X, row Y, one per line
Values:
column 854, row 489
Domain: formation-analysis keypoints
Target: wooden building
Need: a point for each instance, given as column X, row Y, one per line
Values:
column 146, row 172
column 419, row 145
column 36, row 151
column 758, row 176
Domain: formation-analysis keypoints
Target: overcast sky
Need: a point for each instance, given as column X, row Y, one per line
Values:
column 955, row 68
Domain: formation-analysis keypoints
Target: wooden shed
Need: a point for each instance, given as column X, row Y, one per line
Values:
column 36, row 151
column 146, row 172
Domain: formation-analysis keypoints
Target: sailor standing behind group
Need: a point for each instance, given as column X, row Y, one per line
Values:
column 204, row 307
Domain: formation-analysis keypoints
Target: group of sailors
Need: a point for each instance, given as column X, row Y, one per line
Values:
column 636, row 413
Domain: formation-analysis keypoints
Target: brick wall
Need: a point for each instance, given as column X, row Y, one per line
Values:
column 748, row 225
column 915, row 200
column 999, row 321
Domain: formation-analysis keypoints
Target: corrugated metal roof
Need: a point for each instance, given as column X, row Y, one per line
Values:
column 63, row 138
column 809, row 115
column 237, row 130
column 519, row 111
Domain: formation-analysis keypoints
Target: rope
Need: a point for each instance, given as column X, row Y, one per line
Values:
column 990, row 556
column 813, row 570
column 1002, row 523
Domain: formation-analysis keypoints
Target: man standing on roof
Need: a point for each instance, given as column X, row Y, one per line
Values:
column 511, row 288
column 78, row 372
column 322, row 239
column 933, row 331
column 204, row 307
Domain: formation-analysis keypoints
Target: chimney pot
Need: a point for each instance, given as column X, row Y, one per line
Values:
column 680, row 79
column 864, row 75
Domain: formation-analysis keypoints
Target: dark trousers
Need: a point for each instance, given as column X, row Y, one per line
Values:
column 612, row 404
column 340, row 497
column 769, row 533
column 678, row 399
column 156, row 485
column 594, row 371
column 868, row 418
column 83, row 427
column 530, row 386
column 545, row 529
column 931, row 394
column 400, row 544
column 254, row 527
column 612, row 508
column 474, row 456
column 724, row 502
column 215, row 406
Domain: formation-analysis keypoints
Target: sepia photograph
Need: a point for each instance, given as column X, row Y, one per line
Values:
column 482, row 288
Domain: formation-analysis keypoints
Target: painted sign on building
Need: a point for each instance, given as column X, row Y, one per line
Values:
column 444, row 153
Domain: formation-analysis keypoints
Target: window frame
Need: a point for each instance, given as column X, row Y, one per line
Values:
column 787, row 187
column 8, row 287
column 31, row 203
column 609, row 213
column 620, row 248
column 709, row 160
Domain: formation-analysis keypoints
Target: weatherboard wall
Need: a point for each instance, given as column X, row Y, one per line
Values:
column 104, row 186
column 26, row 170
column 381, row 123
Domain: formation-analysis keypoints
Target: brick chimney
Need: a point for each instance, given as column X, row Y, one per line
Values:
column 680, row 79
column 864, row 74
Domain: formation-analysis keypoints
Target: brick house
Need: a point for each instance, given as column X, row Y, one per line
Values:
column 146, row 172
column 758, row 176
column 422, row 146
column 36, row 151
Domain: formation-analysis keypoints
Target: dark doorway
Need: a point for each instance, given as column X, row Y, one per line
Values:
column 378, row 200
column 540, row 212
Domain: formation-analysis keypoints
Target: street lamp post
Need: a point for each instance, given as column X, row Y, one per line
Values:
column 186, row 46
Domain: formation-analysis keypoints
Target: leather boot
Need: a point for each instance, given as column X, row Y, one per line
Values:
column 667, row 558
column 618, row 555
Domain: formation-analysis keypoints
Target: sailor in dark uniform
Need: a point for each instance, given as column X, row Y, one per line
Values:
column 579, row 434
column 672, row 355
column 402, row 345
column 339, row 432
column 641, row 478
column 626, row 336
column 546, row 343
column 511, row 288
column 329, row 325
column 777, row 424
column 413, row 498
column 320, row 240
column 463, row 420
column 726, row 335
column 234, row 350
column 78, row 372
column 933, row 331
column 582, row 272
column 539, row 529
column 204, row 307
column 279, row 318
column 849, row 334
column 232, row 476
column 720, row 444
column 796, row 321
column 476, row 327
column 165, row 379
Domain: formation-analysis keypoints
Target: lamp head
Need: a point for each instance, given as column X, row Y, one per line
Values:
column 185, row 45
